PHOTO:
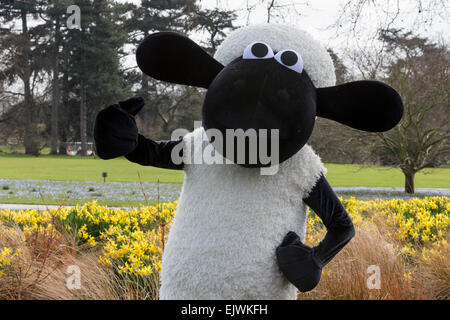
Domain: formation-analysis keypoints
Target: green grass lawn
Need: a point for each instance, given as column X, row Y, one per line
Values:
column 352, row 175
column 48, row 167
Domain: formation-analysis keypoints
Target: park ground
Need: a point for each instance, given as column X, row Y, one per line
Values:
column 407, row 239
column 57, row 179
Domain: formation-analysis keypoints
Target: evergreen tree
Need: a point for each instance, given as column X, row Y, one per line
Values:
column 53, row 13
column 216, row 23
column 93, row 61
column 23, row 55
column 170, row 106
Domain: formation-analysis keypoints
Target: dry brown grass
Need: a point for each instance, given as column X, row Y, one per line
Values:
column 401, row 278
column 345, row 277
column 40, row 272
column 435, row 272
column 97, row 282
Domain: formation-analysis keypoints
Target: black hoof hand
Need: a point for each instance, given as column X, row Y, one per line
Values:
column 115, row 130
column 133, row 105
column 297, row 262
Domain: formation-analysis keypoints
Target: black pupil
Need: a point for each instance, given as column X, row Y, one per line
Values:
column 289, row 58
column 259, row 50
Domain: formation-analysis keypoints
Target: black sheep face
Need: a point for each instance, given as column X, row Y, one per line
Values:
column 262, row 89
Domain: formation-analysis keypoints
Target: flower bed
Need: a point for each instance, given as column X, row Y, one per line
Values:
column 130, row 243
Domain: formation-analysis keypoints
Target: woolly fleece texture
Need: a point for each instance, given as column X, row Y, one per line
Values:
column 228, row 224
column 317, row 61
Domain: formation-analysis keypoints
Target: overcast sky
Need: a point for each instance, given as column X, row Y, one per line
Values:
column 316, row 16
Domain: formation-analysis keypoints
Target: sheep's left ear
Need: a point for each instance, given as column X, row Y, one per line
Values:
column 365, row 105
column 173, row 57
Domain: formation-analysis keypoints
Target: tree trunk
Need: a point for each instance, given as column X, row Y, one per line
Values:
column 83, row 120
column 409, row 181
column 30, row 142
column 62, row 148
column 146, row 120
column 55, row 92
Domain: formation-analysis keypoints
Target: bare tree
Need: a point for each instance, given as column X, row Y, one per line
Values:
column 275, row 9
column 21, row 49
column 420, row 74
column 173, row 103
column 358, row 22
column 354, row 13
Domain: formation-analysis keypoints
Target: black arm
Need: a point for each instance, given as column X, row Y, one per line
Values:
column 303, row 265
column 340, row 230
column 116, row 134
column 155, row 153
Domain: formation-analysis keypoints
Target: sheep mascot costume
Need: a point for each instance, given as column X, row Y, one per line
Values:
column 238, row 233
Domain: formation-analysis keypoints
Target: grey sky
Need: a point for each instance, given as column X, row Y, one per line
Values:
column 316, row 16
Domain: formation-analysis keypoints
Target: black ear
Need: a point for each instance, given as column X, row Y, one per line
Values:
column 365, row 105
column 173, row 57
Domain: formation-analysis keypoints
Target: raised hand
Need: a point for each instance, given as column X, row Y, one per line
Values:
column 115, row 130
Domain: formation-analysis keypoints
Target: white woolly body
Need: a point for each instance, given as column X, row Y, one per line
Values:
column 228, row 224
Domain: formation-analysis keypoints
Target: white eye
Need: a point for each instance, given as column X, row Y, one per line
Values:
column 258, row 50
column 290, row 59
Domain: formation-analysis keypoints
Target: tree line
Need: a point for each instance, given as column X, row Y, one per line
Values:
column 419, row 70
column 55, row 78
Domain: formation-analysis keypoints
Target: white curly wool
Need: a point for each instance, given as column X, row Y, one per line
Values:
column 228, row 224
column 317, row 61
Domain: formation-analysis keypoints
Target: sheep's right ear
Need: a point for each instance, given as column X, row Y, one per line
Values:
column 173, row 57
column 365, row 105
